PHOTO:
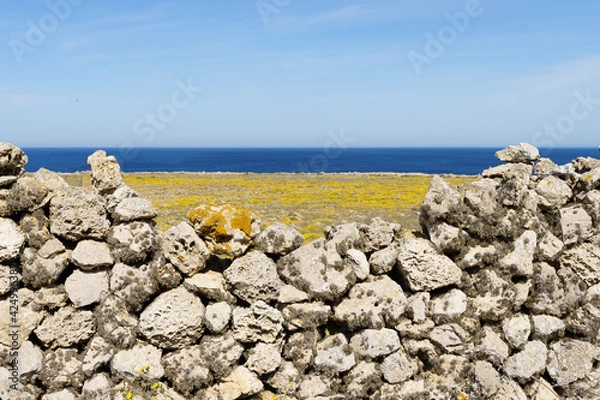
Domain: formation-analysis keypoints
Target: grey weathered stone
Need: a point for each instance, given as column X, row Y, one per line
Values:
column 450, row 337
column 378, row 234
column 187, row 369
column 439, row 200
column 11, row 240
column 115, row 323
column 495, row 296
column 91, row 254
column 549, row 247
column 290, row 294
column 333, row 354
column 55, row 183
column 570, row 360
column 509, row 389
column 30, row 359
column 133, row 242
column 79, row 214
column 592, row 178
column 121, row 193
column 544, row 166
column 240, row 383
column 449, row 306
column 584, row 260
column 445, row 237
column 222, row 352
column 98, row 353
column 317, row 269
column 134, row 286
column 527, row 363
column 286, row 378
column 133, row 209
column 547, row 327
column 67, row 327
column 314, row 386
column 211, row 285
column 554, row 192
column 41, row 271
column 217, row 316
column 520, row 260
column 64, row 394
column 106, row 172
column 541, row 389
column 399, row 366
column 85, row 288
column 173, row 320
column 259, row 322
column 382, row 261
column 35, row 226
column 12, row 159
column 518, row 171
column 418, row 306
column 264, row 358
column 424, row 268
column 342, row 237
column 142, row 359
column 374, row 343
column 492, row 346
column 478, row 256
column 486, row 379
column 548, row 296
column 520, row 153
column 98, row 387
column 363, row 378
column 517, row 330
column 6, row 280
column 62, row 368
column 372, row 304
column 278, row 239
column 184, row 249
column 306, row 315
column 575, row 223
column 357, row 260
column 51, row 298
column 299, row 348
column 253, row 277
column 26, row 194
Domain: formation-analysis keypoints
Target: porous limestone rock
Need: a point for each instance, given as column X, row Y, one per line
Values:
column 61, row 369
column 133, row 209
column 383, row 261
column 547, row 327
column 439, row 201
column 217, row 316
column 378, row 234
column 228, row 231
column 527, row 363
column 67, row 327
column 374, row 343
column 306, row 315
column 365, row 377
column 445, row 237
column 584, row 260
column 278, row 239
column 106, row 172
column 517, row 171
column 334, row 354
column 85, row 288
column 399, row 367
column 520, row 260
column 449, row 306
column 98, row 353
column 520, row 153
column 554, row 192
column 142, row 359
column 90, row 254
column 11, row 240
column 79, row 214
column 211, row 285
column 259, row 322
column 264, row 358
column 12, row 160
column 134, row 286
column 133, row 242
column 575, row 223
column 517, row 330
column 253, row 277
column 44, row 267
column 98, row 387
column 549, row 247
column 184, row 249
column 187, row 369
column 570, row 360
column 222, row 352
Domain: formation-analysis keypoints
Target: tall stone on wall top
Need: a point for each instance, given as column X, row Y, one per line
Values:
column 12, row 160
column 106, row 172
column 520, row 153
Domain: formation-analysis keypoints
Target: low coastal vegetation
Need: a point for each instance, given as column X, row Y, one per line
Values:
column 308, row 202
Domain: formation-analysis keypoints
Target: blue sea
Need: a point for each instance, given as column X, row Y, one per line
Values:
column 470, row 161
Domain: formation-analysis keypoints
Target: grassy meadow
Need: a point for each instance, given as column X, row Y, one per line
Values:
column 308, row 202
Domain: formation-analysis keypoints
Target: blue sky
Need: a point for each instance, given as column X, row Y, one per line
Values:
column 285, row 73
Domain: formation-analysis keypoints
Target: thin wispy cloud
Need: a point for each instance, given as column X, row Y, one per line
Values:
column 9, row 98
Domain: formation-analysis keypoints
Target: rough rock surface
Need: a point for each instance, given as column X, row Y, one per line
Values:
column 184, row 249
column 106, row 172
column 253, row 277
column 278, row 239
column 78, row 214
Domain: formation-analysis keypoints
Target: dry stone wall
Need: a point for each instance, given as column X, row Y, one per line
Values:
column 498, row 297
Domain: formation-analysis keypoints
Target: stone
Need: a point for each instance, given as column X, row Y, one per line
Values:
column 64, row 394
column 173, row 320
column 217, row 316
column 12, row 240
column 449, row 306
column 28, row 315
column 253, row 277
column 285, row 379
column 106, row 172
column 299, row 348
column 133, row 209
column 264, row 358
column 493, row 347
column 486, row 379
column 55, row 183
column 84, row 288
column 12, row 160
column 517, row 330
column 278, row 239
column 399, row 367
column 184, row 249
column 133, row 242
column 227, row 231
column 90, row 254
column 121, row 193
column 165, row 274
column 520, row 261
column 439, row 200
column 527, row 363
column 378, row 234
column 554, row 192
column 134, row 286
column 519, row 171
column 357, row 261
column 333, row 354
column 509, row 389
column 78, row 214
column 115, row 323
column 576, row 224
column 35, row 227
column 495, row 296
column 186, row 369
column 382, row 261
column 374, row 343
column 240, row 383
column 445, row 237
column 343, row 237
column 584, row 260
column 541, row 389
column 61, row 369
column 315, row 387
column 27, row 194
column 211, row 285
column 289, row 294
column 98, row 353
column 306, row 315
column 142, row 360
column 478, row 256
column 30, row 359
column 67, row 327
column 39, row 271
column 549, row 247
column 98, row 387
column 592, row 178
column 570, row 360
column 317, row 269
column 547, row 327
column 6, row 280
column 544, row 166
column 375, row 303
column 365, row 377
column 223, row 352
column 450, row 337
column 259, row 322
column 521, row 153
column 418, row 306
column 423, row 268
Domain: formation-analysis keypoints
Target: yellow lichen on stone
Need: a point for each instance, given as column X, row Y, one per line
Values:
column 242, row 220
